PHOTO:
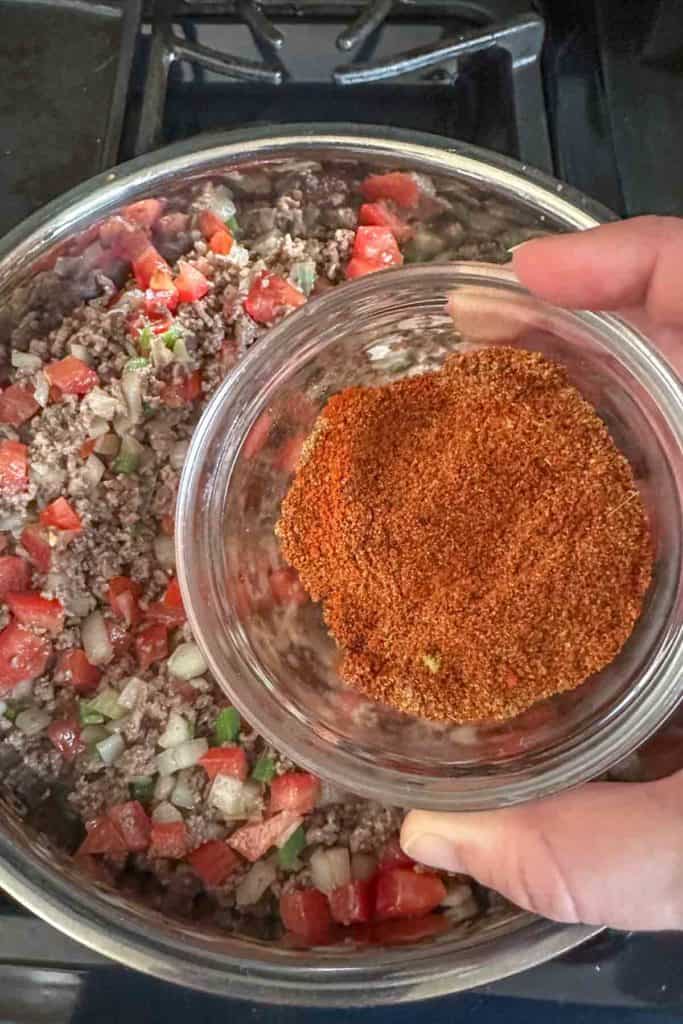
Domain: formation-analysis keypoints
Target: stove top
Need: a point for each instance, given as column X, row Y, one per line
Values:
column 589, row 91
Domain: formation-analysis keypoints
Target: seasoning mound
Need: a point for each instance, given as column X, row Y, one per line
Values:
column 476, row 538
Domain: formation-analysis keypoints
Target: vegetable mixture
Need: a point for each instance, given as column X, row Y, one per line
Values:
column 113, row 737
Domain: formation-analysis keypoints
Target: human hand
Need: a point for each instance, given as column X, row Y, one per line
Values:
column 608, row 853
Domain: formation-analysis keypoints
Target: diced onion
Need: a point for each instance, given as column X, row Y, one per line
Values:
column 288, row 833
column 26, row 361
column 80, row 352
column 177, row 731
column 110, row 750
column 255, row 883
column 185, row 755
column 183, row 794
column 107, row 444
column 94, row 471
column 133, row 693
column 164, row 787
column 331, row 868
column 187, row 661
column 159, row 354
column 95, row 639
column 32, row 721
column 363, row 866
column 118, row 724
column 165, row 813
column 23, row 690
column 102, row 404
column 131, row 385
column 98, row 427
column 42, row 390
column 178, row 453
column 164, row 550
column 234, row 799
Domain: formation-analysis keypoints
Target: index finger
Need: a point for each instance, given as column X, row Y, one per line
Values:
column 633, row 263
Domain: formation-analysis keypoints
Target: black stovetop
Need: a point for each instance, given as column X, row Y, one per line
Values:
column 590, row 91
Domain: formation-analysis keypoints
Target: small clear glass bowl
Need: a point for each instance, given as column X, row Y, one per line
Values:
column 274, row 658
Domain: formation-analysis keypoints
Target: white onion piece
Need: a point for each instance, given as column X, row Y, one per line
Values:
column 178, row 453
column 98, row 427
column 131, row 385
column 94, row 471
column 107, row 444
column 23, row 690
column 103, row 404
column 95, row 639
column 26, row 361
column 288, row 833
column 331, row 868
column 80, row 352
column 42, row 390
column 183, row 756
column 234, row 799
column 177, row 731
column 164, row 550
column 183, row 794
column 133, row 693
column 363, row 866
column 187, row 661
column 159, row 354
column 164, row 787
column 110, row 750
column 165, row 813
column 32, row 721
column 257, row 880
column 118, row 724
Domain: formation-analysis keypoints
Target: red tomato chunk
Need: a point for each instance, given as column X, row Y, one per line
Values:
column 103, row 837
column 151, row 644
column 72, row 376
column 381, row 215
column 74, row 667
column 65, row 736
column 31, row 609
column 133, row 823
column 15, row 574
column 191, row 283
column 392, row 856
column 294, row 791
column 168, row 839
column 61, row 515
column 214, row 862
column 269, row 296
column 353, row 903
column 17, row 405
column 397, row 185
column 145, row 213
column 123, row 594
column 13, row 467
column 35, row 541
column 253, row 841
column 306, row 913
column 402, row 892
column 23, row 656
column 225, row 761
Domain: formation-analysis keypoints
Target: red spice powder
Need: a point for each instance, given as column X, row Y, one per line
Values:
column 476, row 538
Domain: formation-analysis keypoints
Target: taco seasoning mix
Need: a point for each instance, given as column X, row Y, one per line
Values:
column 476, row 538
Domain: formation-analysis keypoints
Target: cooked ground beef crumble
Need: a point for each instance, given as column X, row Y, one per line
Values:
column 104, row 696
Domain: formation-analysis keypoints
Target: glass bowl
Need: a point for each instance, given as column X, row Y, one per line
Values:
column 274, row 657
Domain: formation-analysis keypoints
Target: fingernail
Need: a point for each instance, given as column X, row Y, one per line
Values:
column 514, row 248
column 434, row 851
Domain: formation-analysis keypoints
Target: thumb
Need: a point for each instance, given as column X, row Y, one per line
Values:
column 606, row 854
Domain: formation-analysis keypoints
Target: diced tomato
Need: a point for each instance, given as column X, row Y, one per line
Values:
column 133, row 823
column 209, row 223
column 170, row 608
column 353, row 903
column 178, row 393
column 254, row 840
column 65, row 736
column 258, row 435
column 168, row 525
column 380, row 215
column 17, row 404
column 87, row 448
column 35, row 541
column 123, row 594
column 404, row 931
column 306, row 913
column 23, row 655
column 402, row 892
column 287, row 456
column 103, row 837
column 225, row 761
column 31, row 609
column 397, row 185
column 146, row 264
column 392, row 856
column 173, row 597
column 74, row 668
column 151, row 644
column 168, row 839
column 269, row 296
column 145, row 213
column 15, row 574
column 221, row 242
column 214, row 862
column 72, row 376
column 61, row 515
column 191, row 283
column 373, row 249
column 13, row 467
column 294, row 791
column 119, row 637
column 286, row 587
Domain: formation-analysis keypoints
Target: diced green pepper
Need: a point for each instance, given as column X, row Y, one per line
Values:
column 264, row 769
column 107, row 703
column 88, row 715
column 233, row 225
column 138, row 363
column 227, row 726
column 287, row 854
column 128, row 459
column 171, row 336
column 304, row 275
column 145, row 339
column 11, row 712
column 142, row 788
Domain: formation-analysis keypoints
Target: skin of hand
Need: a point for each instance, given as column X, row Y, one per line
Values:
column 607, row 853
